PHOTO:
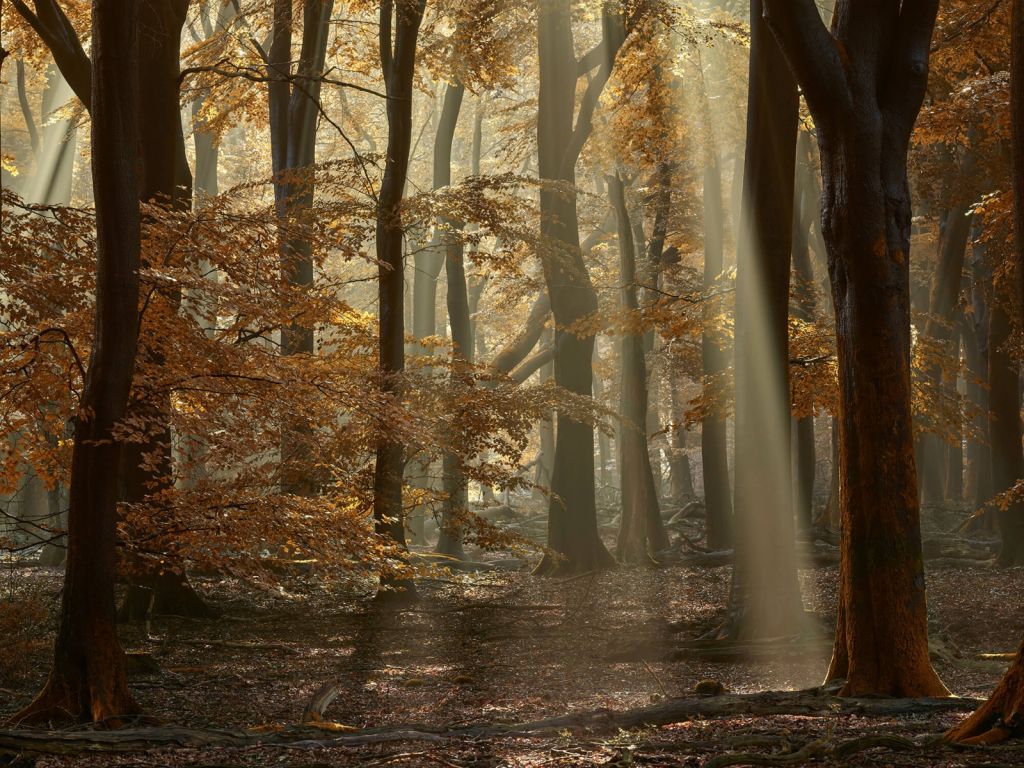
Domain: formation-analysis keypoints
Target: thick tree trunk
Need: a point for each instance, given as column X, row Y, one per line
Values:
column 1004, row 370
column 864, row 105
column 714, row 455
column 765, row 597
column 87, row 681
column 641, row 529
column 398, row 60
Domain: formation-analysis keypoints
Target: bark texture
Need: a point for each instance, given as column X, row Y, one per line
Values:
column 398, row 60
column 87, row 681
column 864, row 83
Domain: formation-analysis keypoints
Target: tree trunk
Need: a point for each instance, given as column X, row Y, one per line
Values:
column 641, row 529
column 398, row 63
column 765, row 597
column 956, row 231
column 1004, row 426
column 1002, row 716
column 1004, row 370
column 572, row 512
column 979, row 470
column 456, row 502
column 87, row 681
column 714, row 455
column 864, row 105
column 806, row 210
column 294, row 105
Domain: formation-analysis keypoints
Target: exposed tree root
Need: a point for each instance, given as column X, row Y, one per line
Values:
column 812, row 702
column 1002, row 716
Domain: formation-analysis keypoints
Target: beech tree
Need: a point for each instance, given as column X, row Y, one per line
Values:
column 864, row 83
column 398, row 28
column 87, row 681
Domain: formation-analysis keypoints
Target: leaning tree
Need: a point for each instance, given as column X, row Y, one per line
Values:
column 864, row 82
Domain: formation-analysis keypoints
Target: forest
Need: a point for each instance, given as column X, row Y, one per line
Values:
column 482, row 383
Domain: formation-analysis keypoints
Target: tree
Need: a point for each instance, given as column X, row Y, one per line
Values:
column 765, row 595
column 641, row 528
column 294, row 105
column 1006, row 310
column 572, row 513
column 398, row 60
column 864, row 83
column 87, row 680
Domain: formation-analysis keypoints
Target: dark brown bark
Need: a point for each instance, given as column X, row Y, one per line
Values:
column 641, row 530
column 1007, row 312
column 572, row 516
column 294, row 103
column 765, row 595
column 1002, row 716
column 87, row 680
column 398, row 63
column 864, row 83
column 714, row 454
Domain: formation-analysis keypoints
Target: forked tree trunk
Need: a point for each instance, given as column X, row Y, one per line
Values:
column 765, row 598
column 294, row 108
column 398, row 63
column 87, row 681
column 641, row 529
column 572, row 512
column 1002, row 716
column 864, row 84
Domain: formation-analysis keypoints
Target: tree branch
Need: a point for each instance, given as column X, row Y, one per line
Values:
column 813, row 56
column 55, row 30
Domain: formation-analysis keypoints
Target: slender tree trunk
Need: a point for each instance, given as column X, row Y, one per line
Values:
column 864, row 106
column 456, row 502
column 87, row 681
column 979, row 490
column 714, row 454
column 956, row 231
column 398, row 60
column 806, row 209
column 765, row 597
column 641, row 528
column 954, row 488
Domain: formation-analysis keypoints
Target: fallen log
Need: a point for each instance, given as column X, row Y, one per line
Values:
column 812, row 702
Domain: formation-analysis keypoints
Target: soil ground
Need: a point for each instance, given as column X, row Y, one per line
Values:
column 504, row 646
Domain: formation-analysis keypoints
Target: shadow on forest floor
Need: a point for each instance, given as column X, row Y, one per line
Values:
column 504, row 647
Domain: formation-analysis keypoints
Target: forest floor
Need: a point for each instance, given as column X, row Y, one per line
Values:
column 503, row 647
